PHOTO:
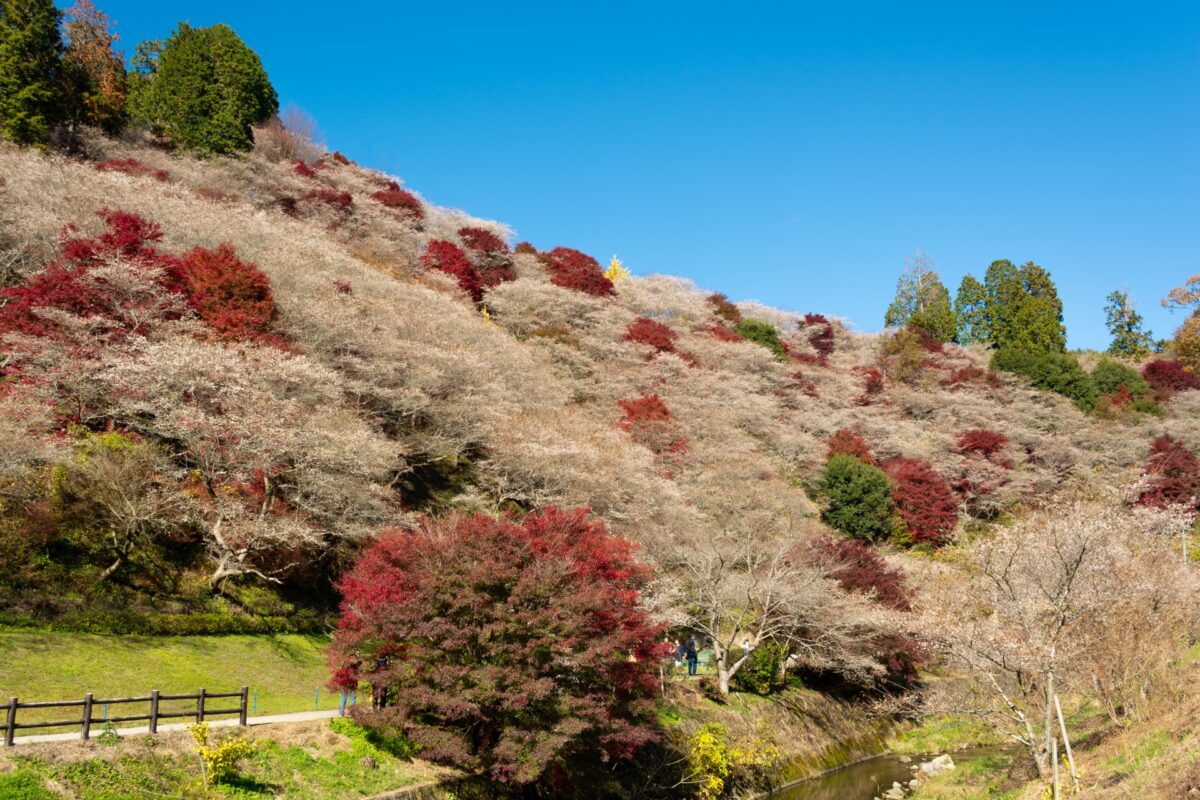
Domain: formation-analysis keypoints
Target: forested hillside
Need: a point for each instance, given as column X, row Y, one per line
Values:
column 223, row 374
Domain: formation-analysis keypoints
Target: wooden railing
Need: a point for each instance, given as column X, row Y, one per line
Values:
column 89, row 703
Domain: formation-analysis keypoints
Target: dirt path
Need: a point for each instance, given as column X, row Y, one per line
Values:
column 301, row 716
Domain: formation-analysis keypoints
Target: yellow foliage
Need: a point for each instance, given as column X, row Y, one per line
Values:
column 487, row 315
column 713, row 762
column 218, row 760
column 616, row 271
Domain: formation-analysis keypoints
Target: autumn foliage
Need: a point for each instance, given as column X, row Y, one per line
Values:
column 513, row 645
column 923, row 499
column 1167, row 377
column 984, row 443
column 1174, row 475
column 131, row 166
column 447, row 257
column 858, row 568
column 482, row 240
column 572, row 269
column 652, row 425
column 232, row 296
column 846, row 442
column 401, row 200
column 653, row 333
column 489, row 254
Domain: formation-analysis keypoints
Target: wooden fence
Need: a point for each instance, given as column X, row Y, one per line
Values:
column 89, row 704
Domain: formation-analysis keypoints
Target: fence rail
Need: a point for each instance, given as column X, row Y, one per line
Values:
column 87, row 719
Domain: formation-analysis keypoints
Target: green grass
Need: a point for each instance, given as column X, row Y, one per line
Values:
column 939, row 734
column 284, row 669
column 972, row 779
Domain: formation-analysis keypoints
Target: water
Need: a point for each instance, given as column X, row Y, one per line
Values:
column 872, row 777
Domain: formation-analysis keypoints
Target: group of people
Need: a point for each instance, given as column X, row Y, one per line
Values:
column 686, row 650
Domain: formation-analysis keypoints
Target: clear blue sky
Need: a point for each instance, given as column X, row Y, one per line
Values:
column 793, row 153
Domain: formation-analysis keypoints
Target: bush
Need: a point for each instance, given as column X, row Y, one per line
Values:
column 873, row 385
column 821, row 335
column 482, row 240
column 525, row 248
column 923, row 499
column 1168, row 377
column 1110, row 376
column 848, row 443
column 233, row 297
column 763, row 333
column 572, row 269
column 131, row 166
column 644, row 330
column 1052, row 372
column 902, row 658
column 985, row 443
column 724, row 309
column 650, row 423
column 859, row 498
column 860, row 569
column 205, row 91
column 24, row 785
column 303, row 170
column 446, row 256
column 1174, row 474
column 399, row 199
column 971, row 374
column 338, row 200
column 902, row 355
column 762, row 674
column 500, row 632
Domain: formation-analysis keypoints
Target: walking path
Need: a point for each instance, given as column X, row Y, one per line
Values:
column 231, row 722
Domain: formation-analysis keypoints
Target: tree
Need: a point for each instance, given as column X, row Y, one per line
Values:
column 763, row 333
column 1125, row 325
column 205, row 89
column 922, row 300
column 923, row 500
column 1035, row 322
column 970, row 308
column 1186, row 345
column 859, row 498
column 31, row 101
column 95, row 72
column 512, row 645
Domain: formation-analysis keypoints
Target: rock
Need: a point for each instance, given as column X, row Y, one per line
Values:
column 368, row 762
column 935, row 767
column 914, row 783
column 894, row 793
column 904, row 759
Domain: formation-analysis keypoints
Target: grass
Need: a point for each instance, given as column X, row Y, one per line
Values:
column 284, row 669
column 940, row 734
column 332, row 760
column 986, row 776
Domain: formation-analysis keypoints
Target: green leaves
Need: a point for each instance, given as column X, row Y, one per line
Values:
column 860, row 498
column 31, row 47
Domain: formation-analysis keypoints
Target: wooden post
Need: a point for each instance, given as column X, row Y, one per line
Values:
column 154, row 711
column 242, row 706
column 87, row 716
column 200, row 706
column 1062, row 726
column 10, row 726
column 1054, row 759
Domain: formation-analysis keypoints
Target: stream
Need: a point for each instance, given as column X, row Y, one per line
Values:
column 870, row 778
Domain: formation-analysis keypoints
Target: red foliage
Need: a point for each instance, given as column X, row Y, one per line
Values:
column 931, row 343
column 644, row 330
column 860, row 569
column 303, row 170
column 1167, row 377
column 651, row 424
column 722, row 334
column 65, row 285
column 980, row 441
column 873, row 385
column 131, row 166
column 341, row 201
column 572, row 269
column 923, row 499
column 847, row 442
column 482, row 240
column 525, row 247
column 342, row 287
column 232, row 296
column 217, row 195
column 902, row 657
column 820, row 337
column 971, row 374
column 402, row 201
column 338, row 158
column 1174, row 475
column 484, row 634
column 447, row 257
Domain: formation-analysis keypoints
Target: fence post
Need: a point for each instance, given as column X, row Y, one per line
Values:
column 10, row 725
column 200, row 706
column 154, row 711
column 87, row 716
column 242, row 706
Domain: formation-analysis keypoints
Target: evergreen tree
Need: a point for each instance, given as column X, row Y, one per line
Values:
column 1125, row 325
column 1002, row 292
column 31, row 47
column 94, row 71
column 859, row 498
column 1023, row 309
column 970, row 307
column 205, row 89
column 922, row 300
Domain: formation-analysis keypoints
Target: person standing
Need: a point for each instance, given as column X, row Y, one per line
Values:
column 693, row 657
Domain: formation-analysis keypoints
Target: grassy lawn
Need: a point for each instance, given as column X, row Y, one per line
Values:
column 284, row 669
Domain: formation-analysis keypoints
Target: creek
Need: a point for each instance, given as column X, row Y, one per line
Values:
column 870, row 778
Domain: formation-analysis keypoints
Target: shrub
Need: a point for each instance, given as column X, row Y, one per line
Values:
column 872, row 384
column 821, row 335
column 859, row 498
column 902, row 355
column 1167, row 377
column 572, row 269
column 653, row 333
column 1174, row 474
column 131, row 166
column 846, row 442
column 447, row 257
column 303, row 170
column 985, row 443
column 500, row 633
column 762, row 674
column 860, row 569
column 652, row 425
column 205, row 91
column 1110, row 376
column 923, row 499
column 723, row 308
column 399, row 199
column 218, row 759
column 482, row 240
column 971, row 374
column 902, row 658
column 763, row 333
column 338, row 200
column 526, row 248
column 1053, row 372
column 233, row 297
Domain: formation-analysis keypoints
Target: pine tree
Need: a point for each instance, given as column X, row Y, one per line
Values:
column 922, row 300
column 204, row 88
column 1023, row 309
column 1125, row 325
column 1002, row 294
column 94, row 71
column 31, row 101
column 970, row 307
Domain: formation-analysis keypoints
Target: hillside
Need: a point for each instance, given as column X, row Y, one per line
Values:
column 213, row 458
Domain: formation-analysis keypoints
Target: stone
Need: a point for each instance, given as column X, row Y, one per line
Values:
column 904, row 759
column 936, row 766
column 368, row 762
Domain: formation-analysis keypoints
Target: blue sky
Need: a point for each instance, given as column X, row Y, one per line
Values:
column 793, row 153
